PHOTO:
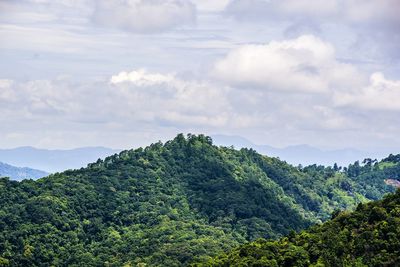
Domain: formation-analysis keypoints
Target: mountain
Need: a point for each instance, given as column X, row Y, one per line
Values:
column 173, row 204
column 59, row 160
column 301, row 154
column 18, row 174
column 54, row 160
column 369, row 236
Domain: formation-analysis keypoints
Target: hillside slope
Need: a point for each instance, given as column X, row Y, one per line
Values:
column 171, row 204
column 17, row 173
column 369, row 236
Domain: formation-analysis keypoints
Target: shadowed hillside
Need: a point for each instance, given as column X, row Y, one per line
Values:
column 369, row 236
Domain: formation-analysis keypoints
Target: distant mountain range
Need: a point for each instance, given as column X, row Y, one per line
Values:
column 16, row 173
column 301, row 154
column 59, row 160
column 54, row 160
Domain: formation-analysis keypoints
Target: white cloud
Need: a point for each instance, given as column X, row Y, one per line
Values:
column 302, row 92
column 144, row 16
column 137, row 97
column 6, row 93
column 371, row 25
column 304, row 64
column 144, row 103
column 174, row 100
column 5, row 83
column 142, row 78
column 381, row 94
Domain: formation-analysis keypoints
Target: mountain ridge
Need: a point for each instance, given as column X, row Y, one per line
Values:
column 20, row 173
column 57, row 160
column 54, row 160
column 302, row 154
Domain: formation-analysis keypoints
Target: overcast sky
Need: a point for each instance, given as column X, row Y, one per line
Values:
column 125, row 73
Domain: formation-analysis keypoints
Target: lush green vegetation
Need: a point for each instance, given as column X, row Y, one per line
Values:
column 369, row 236
column 172, row 204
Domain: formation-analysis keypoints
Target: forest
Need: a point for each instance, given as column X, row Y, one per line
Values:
column 368, row 236
column 187, row 201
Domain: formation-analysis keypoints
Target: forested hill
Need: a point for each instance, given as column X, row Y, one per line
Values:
column 369, row 236
column 172, row 204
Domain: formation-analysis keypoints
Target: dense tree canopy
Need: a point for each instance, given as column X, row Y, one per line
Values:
column 369, row 236
column 172, row 204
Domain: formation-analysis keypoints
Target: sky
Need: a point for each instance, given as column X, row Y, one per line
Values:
column 125, row 73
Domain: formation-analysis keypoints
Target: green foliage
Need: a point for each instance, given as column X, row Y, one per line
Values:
column 175, row 203
column 369, row 236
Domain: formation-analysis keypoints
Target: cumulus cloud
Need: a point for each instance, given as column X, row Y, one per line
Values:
column 373, row 24
column 142, row 78
column 136, row 97
column 144, row 16
column 130, row 102
column 174, row 100
column 381, row 94
column 291, row 91
column 304, row 64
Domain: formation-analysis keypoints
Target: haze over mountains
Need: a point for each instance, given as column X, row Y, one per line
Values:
column 17, row 173
column 302, row 154
column 53, row 160
column 58, row 160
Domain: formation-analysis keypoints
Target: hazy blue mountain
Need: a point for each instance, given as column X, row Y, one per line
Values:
column 301, row 154
column 54, row 160
column 60, row 160
column 16, row 173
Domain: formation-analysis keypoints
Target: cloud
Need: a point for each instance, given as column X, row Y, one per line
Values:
column 383, row 11
column 138, row 16
column 350, row 10
column 133, row 104
column 291, row 90
column 211, row 5
column 380, row 95
column 144, row 16
column 305, row 64
column 142, row 78
column 279, row 9
column 170, row 99
column 373, row 24
column 137, row 97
